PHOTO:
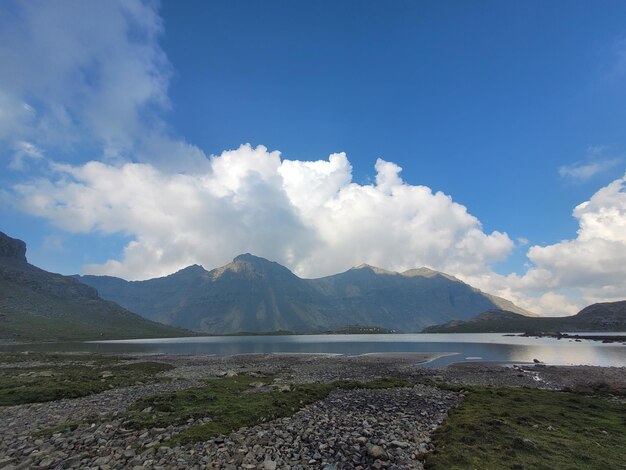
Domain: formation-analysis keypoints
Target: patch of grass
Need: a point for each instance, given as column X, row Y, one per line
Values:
column 69, row 426
column 30, row 356
column 512, row 428
column 231, row 405
column 19, row 385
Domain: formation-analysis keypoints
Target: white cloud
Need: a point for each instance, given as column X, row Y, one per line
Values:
column 597, row 257
column 24, row 151
column 87, row 75
column 596, row 163
column 568, row 275
column 583, row 171
column 89, row 80
column 307, row 215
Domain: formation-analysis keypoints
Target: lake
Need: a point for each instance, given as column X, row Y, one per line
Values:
column 462, row 347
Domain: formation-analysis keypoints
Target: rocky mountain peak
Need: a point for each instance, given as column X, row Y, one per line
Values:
column 192, row 269
column 191, row 273
column 374, row 269
column 247, row 264
column 423, row 271
column 12, row 248
column 249, row 258
column 428, row 273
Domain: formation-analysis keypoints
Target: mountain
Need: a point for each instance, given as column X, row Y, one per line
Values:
column 608, row 316
column 38, row 305
column 253, row 294
column 604, row 316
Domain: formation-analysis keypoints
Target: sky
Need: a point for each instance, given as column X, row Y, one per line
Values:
column 483, row 139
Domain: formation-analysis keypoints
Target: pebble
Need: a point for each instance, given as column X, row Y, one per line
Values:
column 359, row 428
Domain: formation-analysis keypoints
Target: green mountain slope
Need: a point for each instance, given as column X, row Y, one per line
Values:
column 256, row 295
column 608, row 316
column 42, row 306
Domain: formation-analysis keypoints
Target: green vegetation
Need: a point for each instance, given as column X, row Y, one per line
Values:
column 360, row 330
column 511, row 428
column 31, row 315
column 348, row 330
column 61, row 358
column 71, row 378
column 37, row 305
column 60, row 428
column 514, row 325
column 234, row 402
column 609, row 316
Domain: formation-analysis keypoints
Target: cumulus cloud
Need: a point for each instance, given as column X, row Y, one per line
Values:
column 88, row 81
column 83, row 77
column 307, row 215
column 595, row 260
column 565, row 276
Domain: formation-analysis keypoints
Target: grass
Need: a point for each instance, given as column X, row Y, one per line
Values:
column 32, row 356
column 40, row 306
column 228, row 405
column 77, row 377
column 60, row 428
column 512, row 428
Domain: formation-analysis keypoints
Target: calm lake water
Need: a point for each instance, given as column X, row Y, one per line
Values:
column 464, row 347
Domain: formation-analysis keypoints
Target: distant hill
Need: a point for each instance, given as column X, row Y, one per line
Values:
column 256, row 295
column 608, row 316
column 38, row 305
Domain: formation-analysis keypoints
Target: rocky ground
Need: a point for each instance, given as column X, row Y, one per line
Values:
column 361, row 428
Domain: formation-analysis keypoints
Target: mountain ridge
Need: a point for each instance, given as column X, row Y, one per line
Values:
column 602, row 316
column 254, row 294
column 38, row 305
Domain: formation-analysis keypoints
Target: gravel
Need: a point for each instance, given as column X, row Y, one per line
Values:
column 360, row 428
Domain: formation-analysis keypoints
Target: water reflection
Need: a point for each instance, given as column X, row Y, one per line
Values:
column 488, row 346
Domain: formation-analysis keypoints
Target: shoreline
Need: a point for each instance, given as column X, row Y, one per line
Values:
column 599, row 336
column 401, row 419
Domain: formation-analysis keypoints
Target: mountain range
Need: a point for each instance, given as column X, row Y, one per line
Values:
column 604, row 316
column 252, row 294
column 39, row 305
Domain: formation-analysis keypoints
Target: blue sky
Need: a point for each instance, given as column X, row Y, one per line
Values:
column 514, row 110
column 462, row 96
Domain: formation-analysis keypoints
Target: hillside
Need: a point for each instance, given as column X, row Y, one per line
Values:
column 608, row 316
column 256, row 295
column 42, row 306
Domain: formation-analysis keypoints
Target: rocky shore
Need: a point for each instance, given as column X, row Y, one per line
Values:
column 356, row 428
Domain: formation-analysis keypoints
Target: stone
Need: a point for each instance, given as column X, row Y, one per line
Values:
column 400, row 444
column 100, row 461
column 348, row 429
column 269, row 465
column 525, row 443
column 376, row 452
column 46, row 462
